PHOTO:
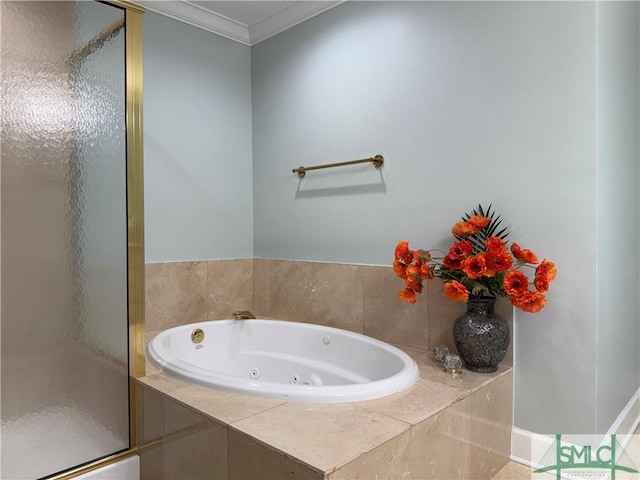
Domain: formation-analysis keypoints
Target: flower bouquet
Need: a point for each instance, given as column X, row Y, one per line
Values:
column 479, row 264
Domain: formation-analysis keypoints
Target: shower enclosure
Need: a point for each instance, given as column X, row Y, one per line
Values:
column 71, row 245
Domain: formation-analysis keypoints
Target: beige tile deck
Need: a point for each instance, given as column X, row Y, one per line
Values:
column 163, row 383
column 179, row 442
column 356, row 440
column 513, row 471
column 341, row 431
column 432, row 370
column 224, row 407
column 440, row 445
column 423, row 400
column 413, row 352
column 517, row 471
column 491, row 411
column 252, row 460
column 390, row 460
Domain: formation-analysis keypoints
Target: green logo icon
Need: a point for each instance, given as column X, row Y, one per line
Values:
column 586, row 461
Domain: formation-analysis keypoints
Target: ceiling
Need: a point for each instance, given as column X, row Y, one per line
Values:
column 247, row 22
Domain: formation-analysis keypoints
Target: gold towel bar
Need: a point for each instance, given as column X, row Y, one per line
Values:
column 377, row 161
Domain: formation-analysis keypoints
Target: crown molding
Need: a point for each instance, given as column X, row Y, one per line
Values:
column 197, row 16
column 288, row 17
column 192, row 14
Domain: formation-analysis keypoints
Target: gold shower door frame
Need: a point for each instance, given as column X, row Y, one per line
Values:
column 135, row 226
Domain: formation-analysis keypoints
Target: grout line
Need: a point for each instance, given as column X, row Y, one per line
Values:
column 206, row 293
column 361, row 270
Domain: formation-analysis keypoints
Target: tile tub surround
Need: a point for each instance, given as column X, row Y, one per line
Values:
column 442, row 427
column 177, row 293
column 359, row 298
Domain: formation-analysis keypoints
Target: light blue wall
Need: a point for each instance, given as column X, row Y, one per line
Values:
column 618, row 202
column 197, row 144
column 469, row 102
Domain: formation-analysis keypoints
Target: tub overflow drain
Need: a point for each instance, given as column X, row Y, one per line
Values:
column 295, row 379
column 255, row 373
column 197, row 335
column 326, row 339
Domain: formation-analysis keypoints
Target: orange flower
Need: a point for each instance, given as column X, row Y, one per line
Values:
column 531, row 302
column 400, row 269
column 495, row 245
column 515, row 283
column 529, row 257
column 453, row 264
column 421, row 256
column 461, row 250
column 545, row 274
column 546, row 270
column 415, row 285
column 413, row 271
column 414, row 279
column 478, row 221
column 501, row 262
column 456, row 291
column 462, row 229
column 523, row 254
column 402, row 252
column 541, row 284
column 488, row 261
column 474, row 267
column 426, row 271
column 407, row 295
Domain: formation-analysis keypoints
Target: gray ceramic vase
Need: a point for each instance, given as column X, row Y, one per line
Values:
column 481, row 336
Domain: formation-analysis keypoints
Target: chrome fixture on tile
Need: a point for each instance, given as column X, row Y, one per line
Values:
column 453, row 365
column 197, row 335
column 440, row 352
column 242, row 315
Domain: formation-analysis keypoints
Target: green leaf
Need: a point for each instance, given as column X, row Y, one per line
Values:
column 477, row 289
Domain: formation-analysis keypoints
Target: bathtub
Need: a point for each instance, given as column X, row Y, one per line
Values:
column 284, row 360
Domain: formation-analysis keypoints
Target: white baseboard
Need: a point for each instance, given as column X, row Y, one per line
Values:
column 629, row 418
column 522, row 440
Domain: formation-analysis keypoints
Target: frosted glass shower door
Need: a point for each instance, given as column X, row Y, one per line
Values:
column 65, row 375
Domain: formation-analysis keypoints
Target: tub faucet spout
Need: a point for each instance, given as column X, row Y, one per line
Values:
column 242, row 315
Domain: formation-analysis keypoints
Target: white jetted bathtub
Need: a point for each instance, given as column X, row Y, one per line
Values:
column 287, row 360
